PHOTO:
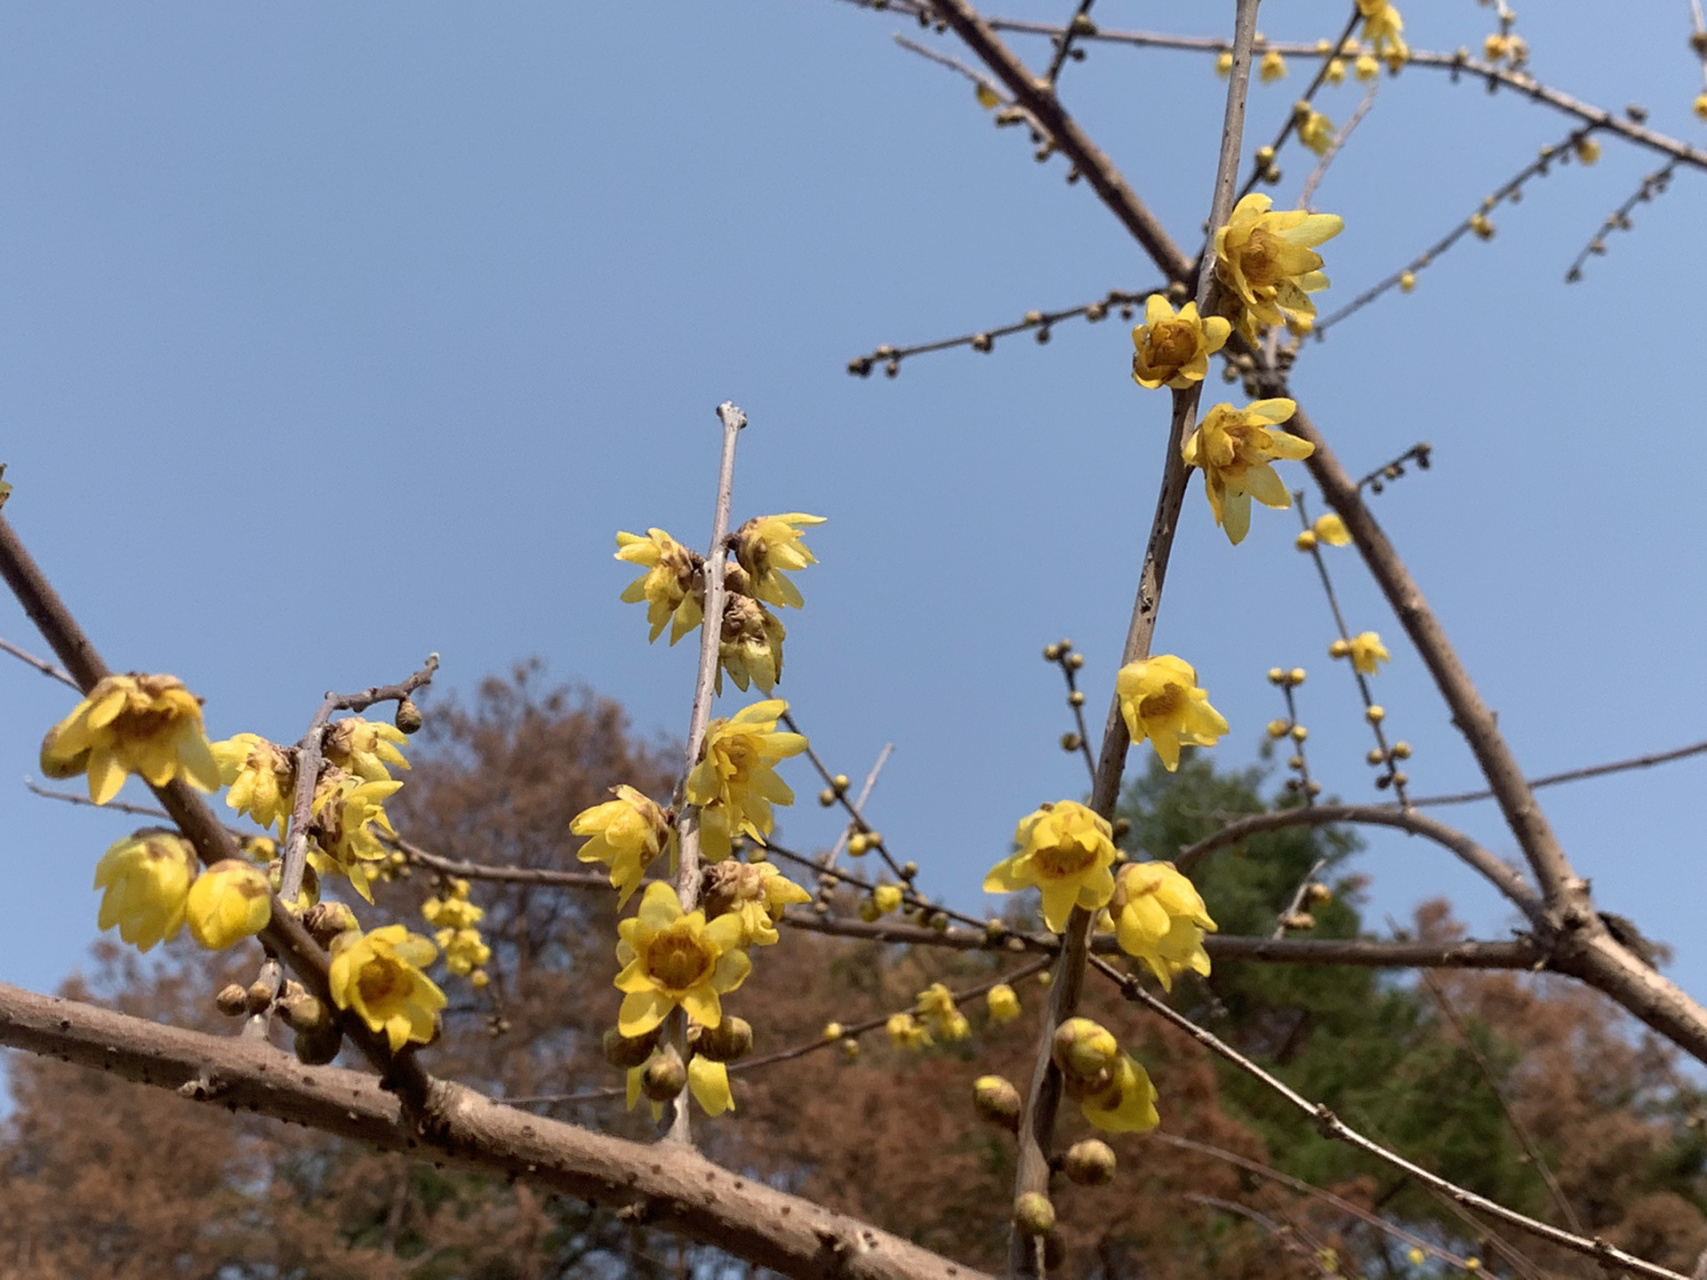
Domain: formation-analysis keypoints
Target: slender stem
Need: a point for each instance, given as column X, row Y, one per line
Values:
column 40, row 664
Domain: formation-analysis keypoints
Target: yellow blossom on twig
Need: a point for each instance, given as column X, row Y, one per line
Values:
column 1316, row 132
column 756, row 893
column 364, row 748
column 627, row 834
column 142, row 724
column 261, row 778
column 348, row 820
column 672, row 586
column 1267, row 261
column 1331, row 530
column 1383, row 28
column 1272, row 67
column 936, row 1008
column 1127, row 1104
column 146, row 878
column 229, row 901
column 379, row 975
column 1160, row 918
column 735, row 783
column 1365, row 651
column 1234, row 447
column 673, row 958
column 767, row 547
column 1173, row 350
column 1002, row 1003
column 1065, row 851
column 907, row 1032
column 750, row 645
column 1160, row 700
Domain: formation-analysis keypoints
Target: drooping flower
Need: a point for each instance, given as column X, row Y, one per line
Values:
column 1234, row 447
column 1160, row 918
column 627, row 834
column 673, row 958
column 1267, row 262
column 756, row 893
column 1316, row 132
column 1383, row 27
column 1365, row 651
column 1065, row 851
column 456, row 917
column 1331, row 530
column 146, row 878
column 734, row 782
column 1127, row 1104
column 1160, row 700
column 1336, row 71
column 1002, row 1002
column 672, row 586
column 229, row 901
column 1224, row 63
column 1173, row 350
column 142, row 724
column 1272, row 67
column 261, row 778
column 936, row 1008
column 767, row 547
column 1366, row 67
column 364, row 748
column 750, row 646
column 907, row 1032
column 348, row 817
column 379, row 975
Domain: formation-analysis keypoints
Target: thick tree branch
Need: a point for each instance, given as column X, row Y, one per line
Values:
column 667, row 1186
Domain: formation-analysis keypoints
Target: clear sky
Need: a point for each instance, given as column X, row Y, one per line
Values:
column 334, row 335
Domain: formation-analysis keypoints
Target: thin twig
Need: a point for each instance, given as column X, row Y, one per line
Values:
column 828, row 861
column 1573, row 775
column 1080, row 24
column 40, row 664
column 1653, row 184
column 1337, row 145
column 1295, row 904
column 1285, row 1232
column 856, row 818
column 1292, row 121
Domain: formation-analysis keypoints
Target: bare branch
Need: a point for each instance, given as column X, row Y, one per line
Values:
column 1574, row 775
column 1653, row 184
column 40, row 664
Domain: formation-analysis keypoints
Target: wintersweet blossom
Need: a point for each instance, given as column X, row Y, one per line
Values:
column 734, row 783
column 1316, row 131
column 756, row 893
column 146, row 880
column 379, row 975
column 348, row 820
column 1272, row 67
column 1267, row 261
column 672, row 586
column 1365, row 651
column 261, row 778
column 1331, row 530
column 1065, row 851
column 229, row 901
column 936, row 1008
column 1002, row 1002
column 1127, row 1104
column 907, row 1032
column 143, row 724
column 1173, row 350
column 769, row 547
column 672, row 958
column 1160, row 701
column 750, row 645
column 1234, row 447
column 627, row 834
column 1383, row 28
column 364, row 748
column 1160, row 918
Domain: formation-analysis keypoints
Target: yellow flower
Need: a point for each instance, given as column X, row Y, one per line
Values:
column 453, row 910
column 262, row 778
column 347, row 819
column 1336, row 71
column 1482, row 225
column 1127, row 1104
column 1316, row 132
column 674, row 958
column 1366, row 68
column 1268, row 261
column 378, row 974
column 1002, row 1002
column 1174, row 349
column 755, row 893
column 1160, row 918
column 1366, row 652
column 1701, row 106
column 146, row 877
column 1416, row 1257
column 1224, row 63
column 750, row 646
column 1331, row 530
column 734, row 782
column 936, row 1008
column 147, row 725
column 887, row 898
column 906, row 1032
column 1234, row 448
column 1066, row 851
column 465, row 950
column 1272, row 67
column 1160, row 700
column 364, row 748
column 1382, row 27
column 766, row 546
column 627, row 834
column 672, row 586
column 709, row 1083
column 228, row 902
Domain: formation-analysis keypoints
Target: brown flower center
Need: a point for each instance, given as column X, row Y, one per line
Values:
column 383, row 982
column 677, row 960
column 1169, row 702
column 1173, row 344
column 1260, row 260
column 1059, row 861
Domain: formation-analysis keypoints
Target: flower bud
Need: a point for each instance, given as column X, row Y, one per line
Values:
column 318, row 1047
column 304, row 1013
column 327, row 920
column 408, row 717
column 664, row 1075
column 259, row 997
column 1089, row 1163
column 1375, row 715
column 1084, row 1049
column 1401, row 751
column 997, row 1101
column 834, row 1031
column 1276, row 676
column 826, row 797
column 1034, row 1214
column 1295, row 676
column 232, row 1001
column 1318, row 893
column 729, row 1041
column 1305, row 541
column 626, row 1052
column 1278, row 728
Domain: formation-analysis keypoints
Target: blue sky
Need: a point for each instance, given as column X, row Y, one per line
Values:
column 331, row 336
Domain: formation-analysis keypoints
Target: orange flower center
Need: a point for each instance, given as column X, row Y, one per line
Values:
column 1172, row 343
column 1163, row 705
column 383, row 982
column 1059, row 861
column 1260, row 260
column 677, row 960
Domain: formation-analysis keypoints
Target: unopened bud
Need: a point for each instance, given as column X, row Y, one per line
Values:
column 1084, row 1049
column 259, row 997
column 1051, row 652
column 729, row 1041
column 997, row 1101
column 327, row 920
column 826, row 797
column 1071, row 742
column 408, row 717
column 625, row 1052
column 304, row 1013
column 1305, row 541
column 318, row 1047
column 1298, row 920
column 664, row 1075
column 1034, row 1214
column 1089, row 1163
column 1401, row 751
column 232, row 1001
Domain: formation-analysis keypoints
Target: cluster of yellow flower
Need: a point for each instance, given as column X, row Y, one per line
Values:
column 1113, row 1091
column 766, row 550
column 936, row 1017
column 455, row 918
